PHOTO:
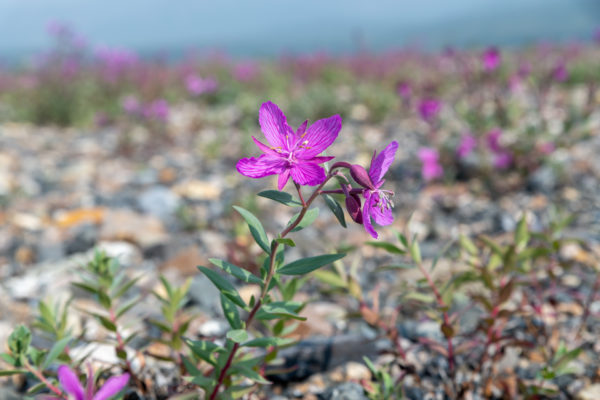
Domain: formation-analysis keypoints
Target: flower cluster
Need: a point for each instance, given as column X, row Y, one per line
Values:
column 296, row 154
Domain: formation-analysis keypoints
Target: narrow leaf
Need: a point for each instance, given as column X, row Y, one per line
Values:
column 223, row 285
column 309, row 217
column 236, row 271
column 256, row 228
column 309, row 264
column 335, row 208
column 281, row 197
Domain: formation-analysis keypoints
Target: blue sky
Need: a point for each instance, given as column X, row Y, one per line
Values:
column 267, row 27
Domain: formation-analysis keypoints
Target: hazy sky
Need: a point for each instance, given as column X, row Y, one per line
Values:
column 266, row 27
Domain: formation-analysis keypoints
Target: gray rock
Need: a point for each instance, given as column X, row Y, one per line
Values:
column 159, row 201
column 345, row 391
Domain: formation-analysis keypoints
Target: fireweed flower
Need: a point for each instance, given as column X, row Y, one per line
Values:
column 491, row 59
column 290, row 153
column 196, row 85
column 493, row 140
column 378, row 204
column 560, row 73
column 429, row 109
column 466, row 146
column 431, row 168
column 70, row 383
column 502, row 159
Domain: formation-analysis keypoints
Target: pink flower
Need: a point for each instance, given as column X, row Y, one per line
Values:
column 431, row 168
column 429, row 109
column 158, row 109
column 560, row 73
column 245, row 72
column 131, row 105
column 493, row 140
column 378, row 205
column 70, row 383
column 466, row 146
column 404, row 90
column 196, row 85
column 290, row 153
column 502, row 159
column 491, row 59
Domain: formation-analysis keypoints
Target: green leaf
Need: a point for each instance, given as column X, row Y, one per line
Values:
column 309, row 264
column 415, row 252
column 55, row 351
column 236, row 271
column 522, row 234
column 19, row 340
column 224, row 286
column 205, row 350
column 127, row 306
column 8, row 372
column 280, row 309
column 330, row 278
column 395, row 266
column 237, row 335
column 281, row 197
column 268, row 341
column 231, row 312
column 335, row 208
column 286, row 241
column 309, row 217
column 250, row 374
column 422, row 297
column 389, row 247
column 256, row 228
column 107, row 323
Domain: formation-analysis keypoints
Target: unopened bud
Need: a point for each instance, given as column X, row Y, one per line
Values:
column 361, row 176
column 353, row 207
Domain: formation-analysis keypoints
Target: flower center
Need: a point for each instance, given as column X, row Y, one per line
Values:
column 384, row 200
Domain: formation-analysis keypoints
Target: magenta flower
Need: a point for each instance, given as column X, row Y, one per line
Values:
column 429, row 109
column 158, row 109
column 560, row 73
column 491, row 59
column 431, row 168
column 378, row 204
column 131, row 105
column 290, row 153
column 404, row 90
column 70, row 383
column 502, row 159
column 493, row 140
column 466, row 146
column 196, row 85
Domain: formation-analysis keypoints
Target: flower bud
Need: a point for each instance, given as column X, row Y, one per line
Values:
column 361, row 176
column 353, row 206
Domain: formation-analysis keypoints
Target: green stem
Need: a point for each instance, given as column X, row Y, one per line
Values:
column 267, row 282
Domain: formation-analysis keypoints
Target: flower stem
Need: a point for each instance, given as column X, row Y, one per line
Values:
column 46, row 382
column 267, row 282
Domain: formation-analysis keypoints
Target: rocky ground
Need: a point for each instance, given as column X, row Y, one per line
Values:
column 162, row 205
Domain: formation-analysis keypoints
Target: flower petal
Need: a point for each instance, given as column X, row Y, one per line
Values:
column 381, row 216
column 318, row 137
column 305, row 173
column 260, row 167
column 274, row 125
column 283, row 178
column 381, row 163
column 112, row 386
column 70, row 382
column 264, row 148
column 319, row 160
column 367, row 215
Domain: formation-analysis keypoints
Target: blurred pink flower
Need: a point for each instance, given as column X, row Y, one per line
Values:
column 502, row 159
column 404, row 90
column 70, row 384
column 493, row 140
column 245, row 71
column 431, row 167
column 491, row 59
column 158, row 109
column 196, row 85
column 131, row 105
column 560, row 73
column 429, row 108
column 466, row 146
column 546, row 148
